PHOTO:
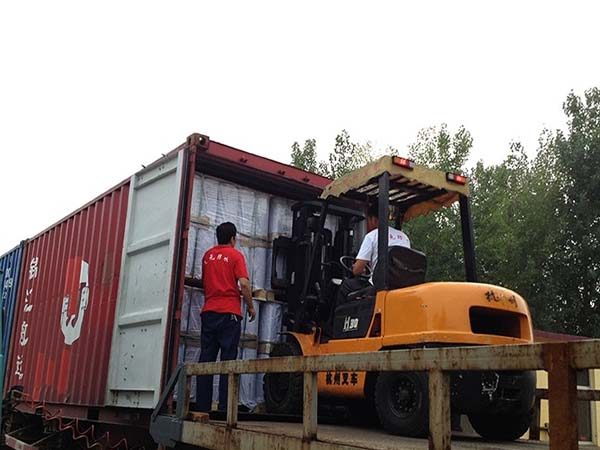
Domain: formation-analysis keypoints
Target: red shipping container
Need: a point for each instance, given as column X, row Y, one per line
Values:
column 96, row 320
column 66, row 304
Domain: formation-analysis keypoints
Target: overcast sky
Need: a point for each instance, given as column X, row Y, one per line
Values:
column 90, row 91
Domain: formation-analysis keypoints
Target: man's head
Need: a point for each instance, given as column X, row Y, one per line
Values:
column 226, row 233
column 372, row 216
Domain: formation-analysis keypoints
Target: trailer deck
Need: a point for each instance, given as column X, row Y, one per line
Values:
column 265, row 434
column 560, row 360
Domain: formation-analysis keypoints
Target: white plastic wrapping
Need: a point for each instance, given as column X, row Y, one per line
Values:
column 259, row 218
column 193, row 302
column 250, row 329
column 271, row 315
column 196, row 197
column 248, row 381
column 260, row 382
column 189, row 352
column 255, row 255
column 248, row 350
column 216, row 201
column 191, row 252
column 205, row 239
column 269, row 270
column 280, row 217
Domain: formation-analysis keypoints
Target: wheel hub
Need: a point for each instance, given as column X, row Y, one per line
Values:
column 405, row 398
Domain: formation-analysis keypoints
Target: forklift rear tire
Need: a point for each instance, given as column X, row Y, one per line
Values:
column 402, row 403
column 284, row 391
column 501, row 427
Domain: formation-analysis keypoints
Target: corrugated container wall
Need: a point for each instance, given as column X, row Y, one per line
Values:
column 66, row 305
column 98, row 306
column 10, row 270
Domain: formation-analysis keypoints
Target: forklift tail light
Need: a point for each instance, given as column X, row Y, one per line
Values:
column 456, row 178
column 376, row 327
column 403, row 162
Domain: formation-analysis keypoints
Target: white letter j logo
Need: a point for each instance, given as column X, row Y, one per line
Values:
column 71, row 326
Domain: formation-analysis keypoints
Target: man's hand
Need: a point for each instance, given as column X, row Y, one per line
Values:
column 247, row 294
column 251, row 313
column 359, row 267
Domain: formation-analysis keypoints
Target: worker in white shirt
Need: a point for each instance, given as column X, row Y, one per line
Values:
column 367, row 255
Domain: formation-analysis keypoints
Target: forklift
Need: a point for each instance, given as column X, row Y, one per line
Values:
column 398, row 309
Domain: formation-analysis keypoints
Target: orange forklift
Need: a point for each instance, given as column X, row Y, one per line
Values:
column 398, row 310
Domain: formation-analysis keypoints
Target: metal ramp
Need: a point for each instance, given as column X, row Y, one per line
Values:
column 560, row 360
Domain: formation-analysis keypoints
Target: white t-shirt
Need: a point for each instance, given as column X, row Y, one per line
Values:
column 368, row 248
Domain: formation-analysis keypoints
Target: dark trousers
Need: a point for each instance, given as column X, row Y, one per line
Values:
column 348, row 286
column 219, row 332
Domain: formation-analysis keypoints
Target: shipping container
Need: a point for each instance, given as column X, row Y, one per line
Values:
column 10, row 271
column 102, row 319
column 66, row 304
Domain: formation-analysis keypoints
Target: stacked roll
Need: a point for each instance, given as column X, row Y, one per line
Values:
column 215, row 201
column 259, row 218
column 270, row 327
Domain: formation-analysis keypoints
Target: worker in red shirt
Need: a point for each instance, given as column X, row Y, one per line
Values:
column 224, row 274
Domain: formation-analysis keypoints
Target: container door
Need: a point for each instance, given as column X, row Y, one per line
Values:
column 143, row 303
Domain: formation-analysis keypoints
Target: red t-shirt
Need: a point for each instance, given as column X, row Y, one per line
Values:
column 222, row 267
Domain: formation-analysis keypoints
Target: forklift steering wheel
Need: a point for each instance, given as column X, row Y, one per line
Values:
column 346, row 263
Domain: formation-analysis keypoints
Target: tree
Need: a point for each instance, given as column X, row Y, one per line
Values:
column 306, row 157
column 573, row 267
column 514, row 217
column 537, row 222
column 436, row 148
column 345, row 156
column 438, row 235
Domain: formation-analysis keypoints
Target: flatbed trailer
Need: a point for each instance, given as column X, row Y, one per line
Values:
column 171, row 425
column 269, row 435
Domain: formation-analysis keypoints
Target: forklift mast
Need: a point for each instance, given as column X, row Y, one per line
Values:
column 306, row 265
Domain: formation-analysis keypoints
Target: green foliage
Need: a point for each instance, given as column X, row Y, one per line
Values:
column 306, row 157
column 573, row 269
column 436, row 148
column 345, row 156
column 439, row 235
column 512, row 214
column 536, row 220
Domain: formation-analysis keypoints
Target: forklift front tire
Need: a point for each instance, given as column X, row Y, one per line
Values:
column 284, row 391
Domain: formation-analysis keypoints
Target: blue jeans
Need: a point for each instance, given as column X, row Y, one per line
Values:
column 219, row 332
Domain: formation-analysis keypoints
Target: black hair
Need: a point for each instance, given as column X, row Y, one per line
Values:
column 373, row 210
column 225, row 232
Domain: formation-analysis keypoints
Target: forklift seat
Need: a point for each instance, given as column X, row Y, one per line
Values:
column 407, row 267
